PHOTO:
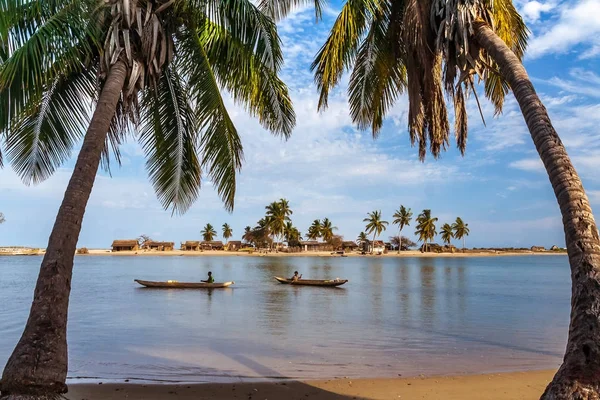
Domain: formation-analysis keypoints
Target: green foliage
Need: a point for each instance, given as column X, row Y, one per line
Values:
column 208, row 233
column 227, row 231
column 426, row 229
column 375, row 224
column 447, row 233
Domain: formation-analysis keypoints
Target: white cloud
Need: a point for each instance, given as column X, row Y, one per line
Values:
column 578, row 24
column 532, row 10
column 528, row 164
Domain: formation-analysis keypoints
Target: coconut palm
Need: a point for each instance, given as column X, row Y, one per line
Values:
column 375, row 225
column 428, row 47
column 461, row 230
column 247, row 236
column 327, row 230
column 426, row 229
column 208, row 233
column 154, row 69
column 315, row 230
column 402, row 218
column 292, row 234
column 361, row 240
column 227, row 232
column 277, row 216
column 447, row 233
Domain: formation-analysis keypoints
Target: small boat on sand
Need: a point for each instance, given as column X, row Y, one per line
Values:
column 312, row 282
column 183, row 285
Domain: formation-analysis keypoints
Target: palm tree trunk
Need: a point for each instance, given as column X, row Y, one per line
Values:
column 37, row 368
column 579, row 375
column 400, row 241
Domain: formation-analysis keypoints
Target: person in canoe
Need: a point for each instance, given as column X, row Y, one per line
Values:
column 210, row 278
column 295, row 278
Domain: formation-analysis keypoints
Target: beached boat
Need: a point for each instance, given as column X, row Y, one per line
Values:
column 312, row 282
column 183, row 285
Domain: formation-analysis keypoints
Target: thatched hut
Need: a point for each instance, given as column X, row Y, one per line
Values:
column 538, row 248
column 125, row 245
column 212, row 245
column 191, row 245
column 160, row 246
column 349, row 245
column 234, row 245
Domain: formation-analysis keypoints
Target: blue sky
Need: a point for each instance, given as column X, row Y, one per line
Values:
column 329, row 169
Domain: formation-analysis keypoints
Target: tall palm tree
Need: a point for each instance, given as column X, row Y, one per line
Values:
column 327, row 230
column 227, row 232
column 447, row 233
column 154, row 69
column 315, row 230
column 208, row 233
column 362, row 239
column 375, row 225
column 247, row 236
column 461, row 230
column 277, row 216
column 426, row 230
column 292, row 234
column 428, row 47
column 402, row 218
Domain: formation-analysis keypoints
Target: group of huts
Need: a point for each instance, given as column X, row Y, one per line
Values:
column 190, row 245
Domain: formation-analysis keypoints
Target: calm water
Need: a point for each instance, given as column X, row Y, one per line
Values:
column 396, row 316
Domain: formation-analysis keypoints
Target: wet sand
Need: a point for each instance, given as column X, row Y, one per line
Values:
column 409, row 253
column 506, row 386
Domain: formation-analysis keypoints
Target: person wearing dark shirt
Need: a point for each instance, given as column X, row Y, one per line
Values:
column 210, row 278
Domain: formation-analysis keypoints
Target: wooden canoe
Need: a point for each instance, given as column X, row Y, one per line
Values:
column 312, row 282
column 183, row 285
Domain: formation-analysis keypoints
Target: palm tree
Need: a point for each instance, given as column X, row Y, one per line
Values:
column 2, row 219
column 447, row 233
column 426, row 230
column 155, row 68
column 361, row 240
column 208, row 233
column 375, row 225
column 402, row 218
column 427, row 47
column 327, row 230
column 227, row 232
column 461, row 230
column 315, row 230
column 277, row 216
column 292, row 234
column 247, row 236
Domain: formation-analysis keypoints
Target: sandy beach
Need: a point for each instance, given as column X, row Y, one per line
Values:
column 409, row 253
column 505, row 386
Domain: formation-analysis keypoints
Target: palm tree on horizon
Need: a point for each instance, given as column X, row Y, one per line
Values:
column 402, row 218
column 327, row 230
column 153, row 70
column 375, row 225
column 461, row 230
column 315, row 230
column 278, row 214
column 227, row 232
column 208, row 233
column 426, row 229
column 447, row 233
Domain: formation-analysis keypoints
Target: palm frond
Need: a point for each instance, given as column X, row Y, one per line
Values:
column 169, row 137
column 249, row 81
column 221, row 146
column 279, row 9
column 339, row 51
column 42, row 137
column 379, row 73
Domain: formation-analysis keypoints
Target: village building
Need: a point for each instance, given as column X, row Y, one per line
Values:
column 160, row 246
column 234, row 245
column 212, row 245
column 348, row 245
column 190, row 245
column 125, row 245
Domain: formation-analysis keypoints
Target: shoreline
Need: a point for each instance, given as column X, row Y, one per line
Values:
column 498, row 386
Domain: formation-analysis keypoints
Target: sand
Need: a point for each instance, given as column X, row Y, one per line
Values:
column 506, row 386
column 410, row 253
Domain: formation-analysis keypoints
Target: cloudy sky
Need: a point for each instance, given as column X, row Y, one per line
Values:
column 330, row 169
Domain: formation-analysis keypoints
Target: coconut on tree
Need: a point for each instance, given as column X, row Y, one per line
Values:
column 428, row 48
column 426, row 229
column 208, row 233
column 227, row 232
column 402, row 218
column 153, row 69
column 461, row 230
column 375, row 225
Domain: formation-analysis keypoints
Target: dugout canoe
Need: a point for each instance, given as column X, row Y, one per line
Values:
column 312, row 282
column 183, row 285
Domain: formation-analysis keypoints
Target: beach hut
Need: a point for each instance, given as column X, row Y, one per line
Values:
column 191, row 245
column 538, row 248
column 310, row 245
column 160, row 246
column 378, row 247
column 234, row 245
column 348, row 245
column 212, row 245
column 125, row 245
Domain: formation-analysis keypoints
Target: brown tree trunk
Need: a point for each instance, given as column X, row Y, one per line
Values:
column 579, row 375
column 37, row 368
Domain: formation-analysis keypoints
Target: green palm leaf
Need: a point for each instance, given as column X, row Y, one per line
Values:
column 279, row 9
column 169, row 137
